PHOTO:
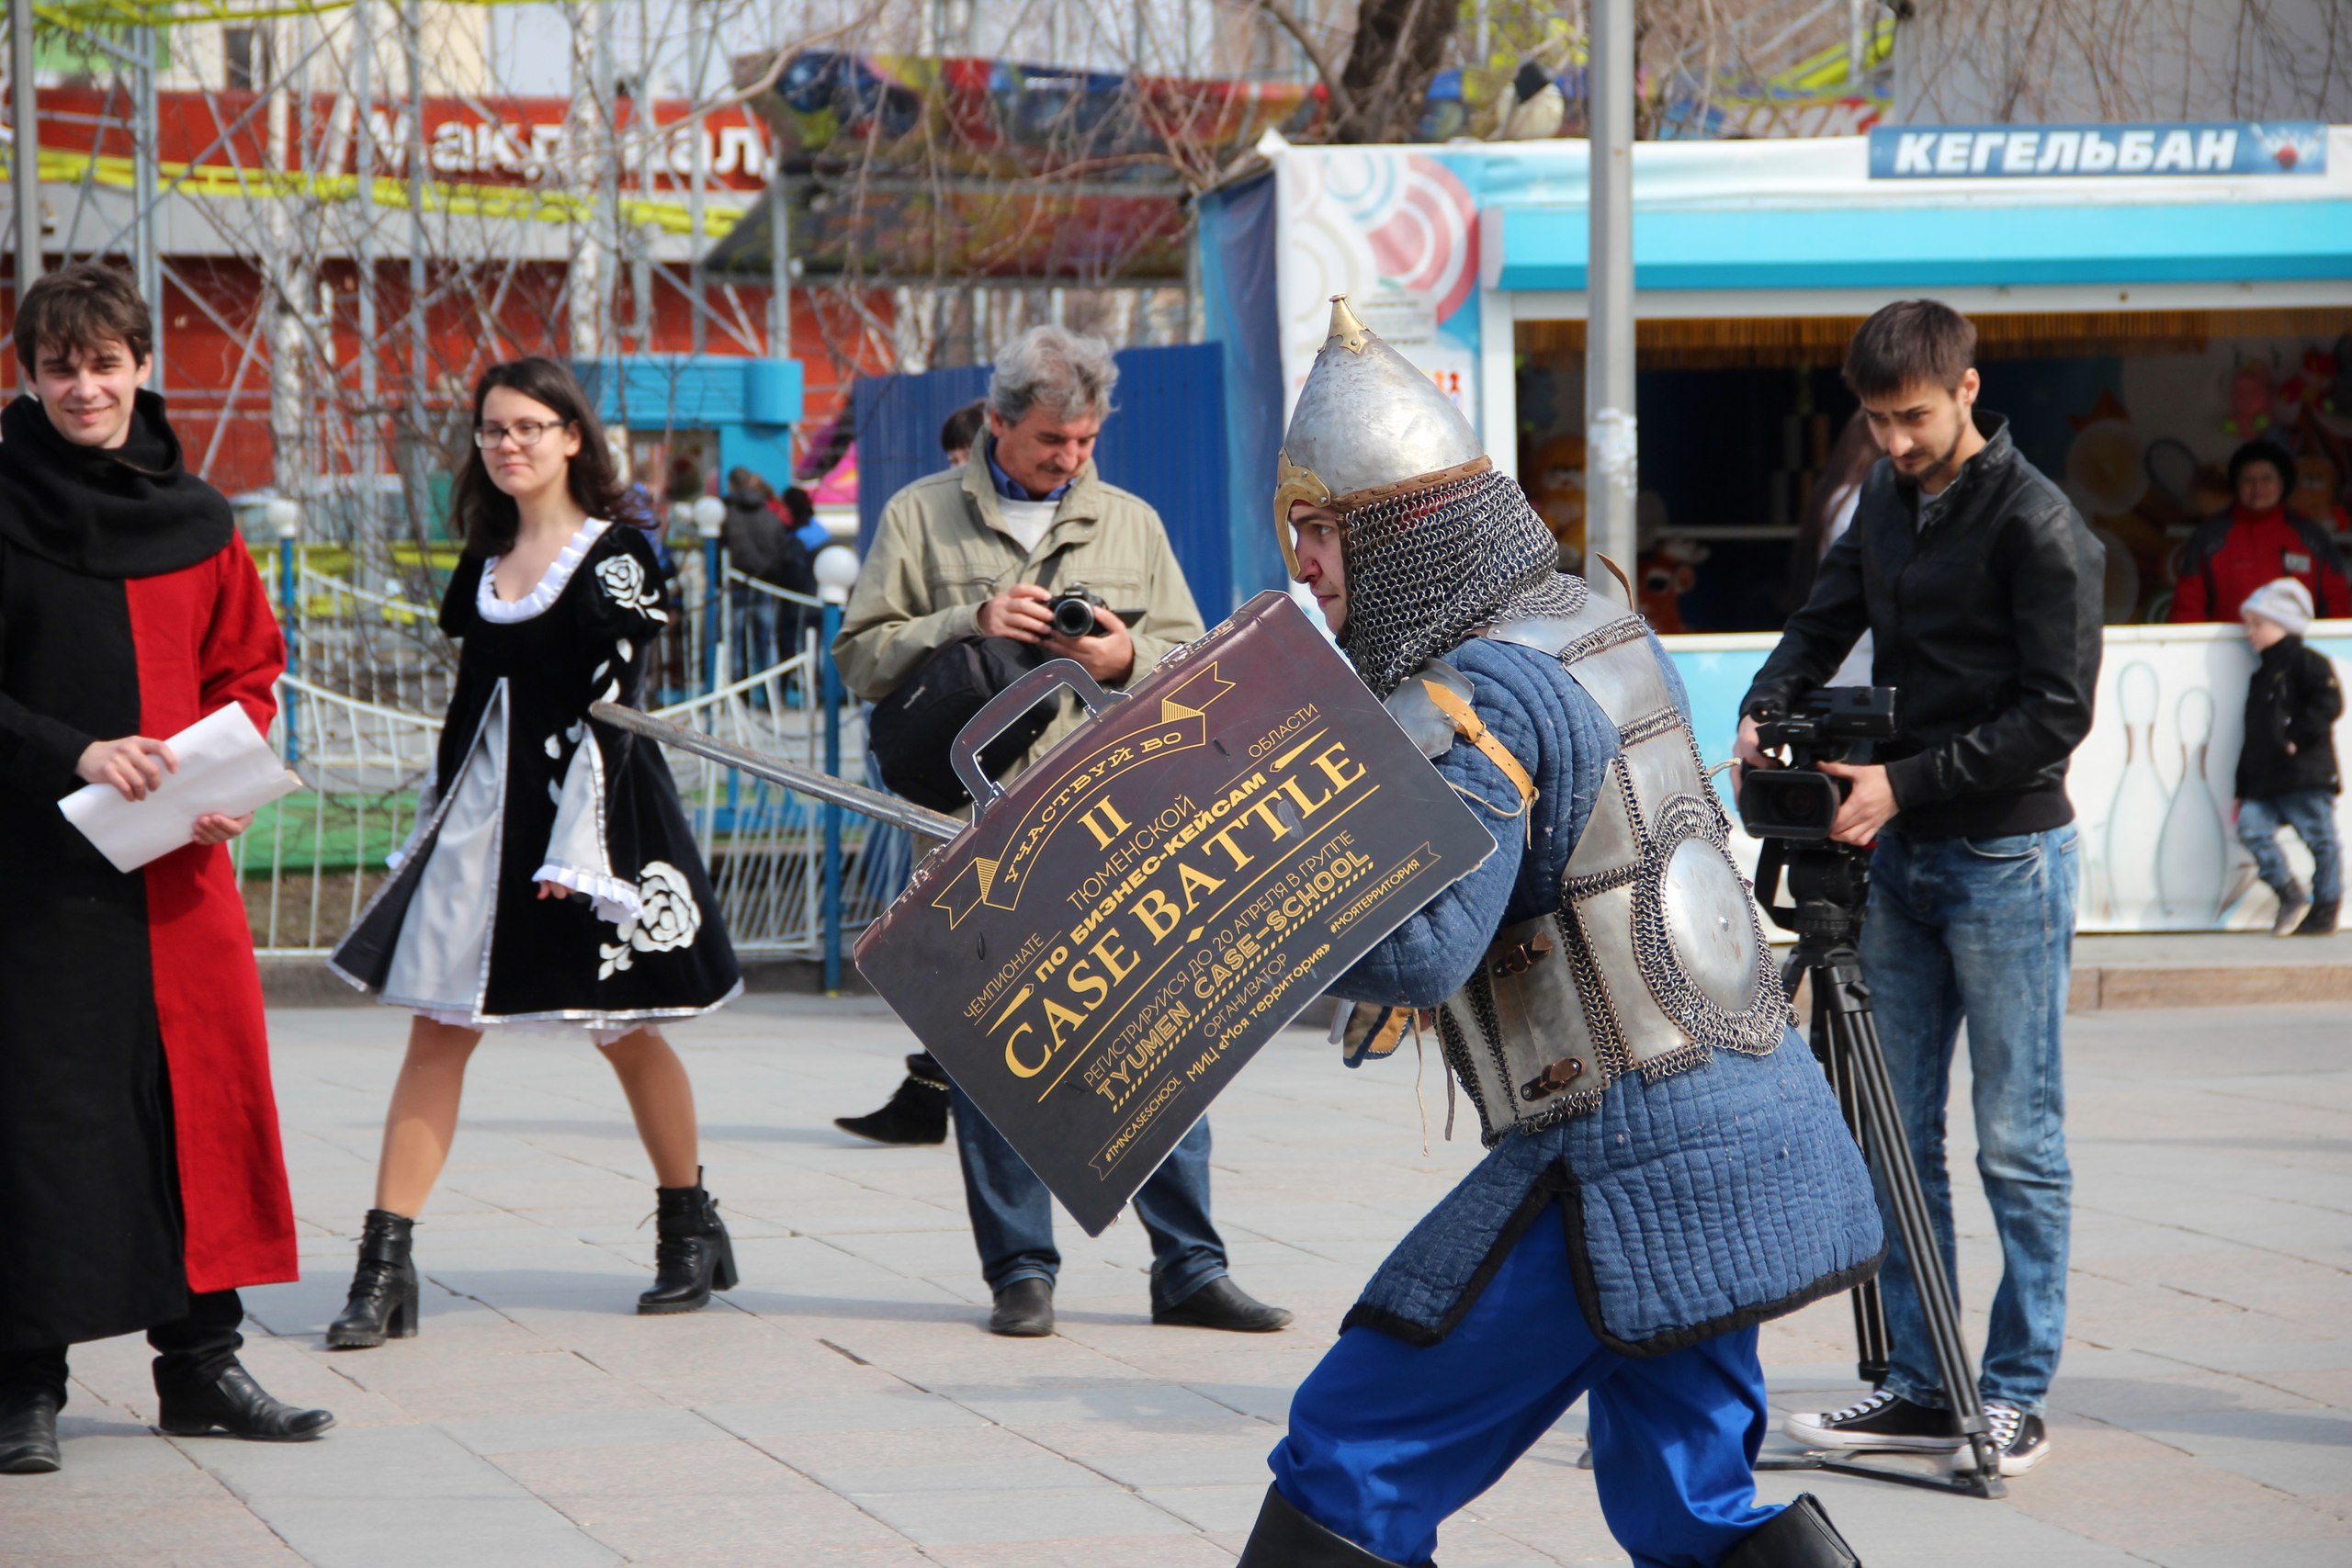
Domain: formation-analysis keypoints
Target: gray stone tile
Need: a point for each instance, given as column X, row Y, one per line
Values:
column 492, row 1436
column 395, row 1495
column 906, row 1410
column 953, row 1518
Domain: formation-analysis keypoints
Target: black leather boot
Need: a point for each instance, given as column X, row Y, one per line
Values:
column 29, row 1431
column 233, row 1405
column 1799, row 1536
column 917, row 1113
column 693, row 1257
column 2322, row 918
column 383, row 1290
column 1285, row 1537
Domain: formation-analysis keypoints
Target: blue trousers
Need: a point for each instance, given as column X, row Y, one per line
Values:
column 1013, row 1215
column 1980, row 931
column 1386, row 1439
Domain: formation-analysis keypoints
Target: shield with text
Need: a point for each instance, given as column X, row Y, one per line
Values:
column 1115, row 935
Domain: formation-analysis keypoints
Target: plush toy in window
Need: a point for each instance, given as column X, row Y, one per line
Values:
column 1668, row 573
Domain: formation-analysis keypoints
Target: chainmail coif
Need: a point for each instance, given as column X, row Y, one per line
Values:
column 1425, row 570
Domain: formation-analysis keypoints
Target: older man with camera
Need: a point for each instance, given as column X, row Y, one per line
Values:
column 1981, row 585
column 985, row 551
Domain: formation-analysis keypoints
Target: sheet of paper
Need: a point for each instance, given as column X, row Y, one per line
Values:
column 225, row 766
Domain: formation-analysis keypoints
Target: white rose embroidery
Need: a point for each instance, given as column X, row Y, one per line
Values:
column 667, row 919
column 623, row 580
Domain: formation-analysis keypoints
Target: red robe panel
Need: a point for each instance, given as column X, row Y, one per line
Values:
column 205, row 637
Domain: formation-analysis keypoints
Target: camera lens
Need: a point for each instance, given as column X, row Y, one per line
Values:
column 1073, row 617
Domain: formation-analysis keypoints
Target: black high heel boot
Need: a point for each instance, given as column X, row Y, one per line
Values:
column 692, row 1256
column 383, row 1290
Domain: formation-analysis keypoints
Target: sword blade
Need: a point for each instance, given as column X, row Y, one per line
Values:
column 808, row 781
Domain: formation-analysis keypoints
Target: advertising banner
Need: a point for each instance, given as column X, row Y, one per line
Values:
column 1103, row 948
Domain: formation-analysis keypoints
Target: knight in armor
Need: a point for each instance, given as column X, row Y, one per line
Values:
column 1667, row 1166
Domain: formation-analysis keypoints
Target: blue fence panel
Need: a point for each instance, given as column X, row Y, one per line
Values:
column 1166, row 443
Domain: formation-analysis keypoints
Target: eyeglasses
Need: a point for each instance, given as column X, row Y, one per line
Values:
column 526, row 431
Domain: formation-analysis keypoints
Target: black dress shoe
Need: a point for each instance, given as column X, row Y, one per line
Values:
column 1285, row 1537
column 234, row 1406
column 1221, row 1303
column 29, row 1432
column 1024, row 1310
column 917, row 1113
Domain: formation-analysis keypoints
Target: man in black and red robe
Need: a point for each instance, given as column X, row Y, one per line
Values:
column 140, row 1177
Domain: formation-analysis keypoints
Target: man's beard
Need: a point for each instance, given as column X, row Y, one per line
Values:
column 1943, row 470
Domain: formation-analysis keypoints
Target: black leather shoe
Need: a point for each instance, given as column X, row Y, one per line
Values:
column 29, row 1432
column 234, row 1406
column 1024, row 1310
column 1285, row 1537
column 1221, row 1303
column 383, row 1301
column 2323, row 918
column 694, row 1256
column 1799, row 1536
column 917, row 1113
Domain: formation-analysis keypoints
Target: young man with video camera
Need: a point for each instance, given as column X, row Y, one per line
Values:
column 1980, row 586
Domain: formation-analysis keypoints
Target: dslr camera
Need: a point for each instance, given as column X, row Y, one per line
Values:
column 1827, row 724
column 1073, row 608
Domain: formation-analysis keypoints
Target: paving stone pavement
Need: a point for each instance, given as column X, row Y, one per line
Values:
column 844, row 1409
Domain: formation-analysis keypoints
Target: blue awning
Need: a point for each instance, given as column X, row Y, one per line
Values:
column 1544, row 247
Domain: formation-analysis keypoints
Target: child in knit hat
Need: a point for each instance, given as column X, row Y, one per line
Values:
column 2287, row 773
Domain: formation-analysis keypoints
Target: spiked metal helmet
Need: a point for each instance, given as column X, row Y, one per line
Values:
column 1368, row 427
column 1435, row 541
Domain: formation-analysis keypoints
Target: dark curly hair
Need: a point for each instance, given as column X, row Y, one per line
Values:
column 486, row 515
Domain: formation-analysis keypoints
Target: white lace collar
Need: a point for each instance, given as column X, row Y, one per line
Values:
column 490, row 607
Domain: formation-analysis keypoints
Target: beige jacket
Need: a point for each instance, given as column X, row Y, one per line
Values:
column 942, row 551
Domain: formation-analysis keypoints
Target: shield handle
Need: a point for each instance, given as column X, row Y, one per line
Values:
column 997, row 715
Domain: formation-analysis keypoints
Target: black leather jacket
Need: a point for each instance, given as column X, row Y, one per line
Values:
column 1987, row 619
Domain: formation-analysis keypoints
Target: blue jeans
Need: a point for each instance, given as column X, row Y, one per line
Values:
column 1386, row 1438
column 1013, row 1215
column 1981, row 931
column 2312, row 813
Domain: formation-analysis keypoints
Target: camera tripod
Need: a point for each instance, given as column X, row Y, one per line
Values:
column 1828, row 883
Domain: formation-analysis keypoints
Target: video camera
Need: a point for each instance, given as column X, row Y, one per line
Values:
column 1800, row 802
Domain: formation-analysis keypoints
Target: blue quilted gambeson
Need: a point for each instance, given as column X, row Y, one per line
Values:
column 1700, row 1202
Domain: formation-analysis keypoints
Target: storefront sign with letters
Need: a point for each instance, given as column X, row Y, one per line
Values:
column 1096, row 956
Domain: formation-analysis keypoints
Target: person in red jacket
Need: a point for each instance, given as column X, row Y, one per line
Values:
column 141, row 1183
column 2254, row 542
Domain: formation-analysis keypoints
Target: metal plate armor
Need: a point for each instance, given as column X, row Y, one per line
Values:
column 1653, row 959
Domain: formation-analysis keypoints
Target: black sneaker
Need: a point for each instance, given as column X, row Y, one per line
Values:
column 1883, row 1422
column 2023, row 1440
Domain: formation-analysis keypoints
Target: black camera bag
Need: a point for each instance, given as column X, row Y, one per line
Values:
column 908, row 733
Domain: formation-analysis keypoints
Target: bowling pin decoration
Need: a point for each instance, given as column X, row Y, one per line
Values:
column 2136, row 815
column 2193, row 851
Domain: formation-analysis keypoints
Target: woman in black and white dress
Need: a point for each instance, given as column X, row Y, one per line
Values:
column 552, row 882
